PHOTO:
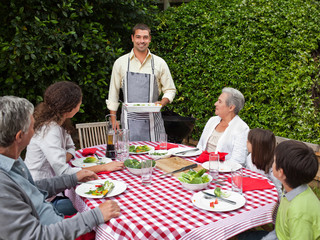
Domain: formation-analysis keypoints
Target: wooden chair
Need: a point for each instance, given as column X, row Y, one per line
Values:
column 91, row 134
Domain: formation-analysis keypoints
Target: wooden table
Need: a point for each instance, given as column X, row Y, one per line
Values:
column 163, row 210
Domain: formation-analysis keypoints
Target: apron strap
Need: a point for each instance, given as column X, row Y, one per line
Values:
column 152, row 64
column 128, row 63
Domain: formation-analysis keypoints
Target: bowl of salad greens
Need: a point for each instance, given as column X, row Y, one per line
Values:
column 134, row 166
column 195, row 181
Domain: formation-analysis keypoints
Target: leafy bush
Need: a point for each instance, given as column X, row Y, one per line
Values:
column 316, row 190
column 42, row 42
column 265, row 48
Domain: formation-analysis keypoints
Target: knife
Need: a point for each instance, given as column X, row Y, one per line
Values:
column 111, row 188
column 181, row 169
column 223, row 199
column 185, row 151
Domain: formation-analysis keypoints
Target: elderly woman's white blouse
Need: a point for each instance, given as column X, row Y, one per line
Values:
column 233, row 140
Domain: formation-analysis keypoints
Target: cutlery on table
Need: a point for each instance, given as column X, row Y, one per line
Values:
column 218, row 182
column 187, row 151
column 220, row 198
column 91, row 183
column 99, row 159
column 111, row 188
column 181, row 169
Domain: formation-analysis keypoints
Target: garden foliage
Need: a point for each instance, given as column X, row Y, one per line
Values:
column 268, row 49
column 42, row 42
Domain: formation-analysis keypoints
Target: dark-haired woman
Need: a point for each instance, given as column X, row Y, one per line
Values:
column 51, row 147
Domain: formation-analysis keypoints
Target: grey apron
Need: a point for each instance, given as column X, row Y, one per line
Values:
column 141, row 88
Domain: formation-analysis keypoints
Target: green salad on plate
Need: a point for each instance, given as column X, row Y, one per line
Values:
column 139, row 149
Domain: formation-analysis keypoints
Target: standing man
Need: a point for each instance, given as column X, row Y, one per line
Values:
column 142, row 76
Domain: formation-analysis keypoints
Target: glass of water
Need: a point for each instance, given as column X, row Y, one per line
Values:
column 214, row 163
column 146, row 169
column 122, row 144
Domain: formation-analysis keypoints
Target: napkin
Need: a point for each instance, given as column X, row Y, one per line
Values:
column 169, row 146
column 103, row 172
column 249, row 184
column 204, row 157
column 88, row 151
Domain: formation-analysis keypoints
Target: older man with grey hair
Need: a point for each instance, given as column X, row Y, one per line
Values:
column 226, row 132
column 25, row 213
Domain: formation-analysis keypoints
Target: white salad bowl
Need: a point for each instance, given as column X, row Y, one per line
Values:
column 135, row 171
column 196, row 187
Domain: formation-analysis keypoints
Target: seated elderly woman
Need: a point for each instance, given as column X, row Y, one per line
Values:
column 226, row 132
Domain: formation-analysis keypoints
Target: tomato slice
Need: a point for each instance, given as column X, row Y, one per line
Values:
column 212, row 204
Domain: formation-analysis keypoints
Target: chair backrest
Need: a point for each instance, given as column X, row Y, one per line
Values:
column 91, row 134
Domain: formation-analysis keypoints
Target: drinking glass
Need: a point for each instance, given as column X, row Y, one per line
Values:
column 163, row 141
column 236, row 180
column 214, row 163
column 146, row 169
column 122, row 145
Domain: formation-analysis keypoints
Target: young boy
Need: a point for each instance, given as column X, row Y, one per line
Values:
column 298, row 215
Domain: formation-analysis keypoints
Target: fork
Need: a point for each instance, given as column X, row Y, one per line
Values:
column 91, row 183
column 99, row 159
column 188, row 151
column 111, row 188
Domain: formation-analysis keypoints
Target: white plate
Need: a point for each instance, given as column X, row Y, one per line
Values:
column 134, row 153
column 188, row 154
column 142, row 107
column 166, row 153
column 119, row 187
column 78, row 162
column 199, row 201
column 225, row 166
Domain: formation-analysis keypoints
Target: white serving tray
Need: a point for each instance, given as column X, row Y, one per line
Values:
column 142, row 107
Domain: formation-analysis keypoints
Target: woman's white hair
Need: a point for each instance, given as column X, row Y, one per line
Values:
column 235, row 98
column 15, row 116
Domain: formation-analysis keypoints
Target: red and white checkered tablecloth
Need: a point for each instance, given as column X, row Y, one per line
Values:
column 163, row 210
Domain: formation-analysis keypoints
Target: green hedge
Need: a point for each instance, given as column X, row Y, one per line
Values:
column 265, row 48
column 44, row 41
column 269, row 50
